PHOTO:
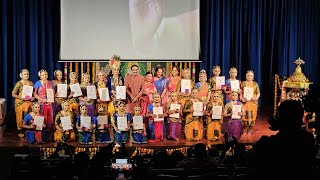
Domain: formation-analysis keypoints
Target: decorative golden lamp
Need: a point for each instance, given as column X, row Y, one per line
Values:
column 297, row 80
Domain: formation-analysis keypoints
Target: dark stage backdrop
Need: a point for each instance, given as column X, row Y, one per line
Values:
column 264, row 36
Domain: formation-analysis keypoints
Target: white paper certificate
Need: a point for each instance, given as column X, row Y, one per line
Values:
column 121, row 92
column 85, row 122
column 122, row 123
column 27, row 91
column 104, row 94
column 66, row 123
column 248, row 93
column 50, row 95
column 174, row 107
column 185, row 85
column 38, row 121
column 220, row 81
column 216, row 112
column 102, row 120
column 157, row 111
column 197, row 109
column 137, row 122
column 235, row 112
column 62, row 90
column 91, row 92
column 235, row 85
column 76, row 89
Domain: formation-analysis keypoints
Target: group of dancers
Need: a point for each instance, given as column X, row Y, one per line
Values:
column 154, row 108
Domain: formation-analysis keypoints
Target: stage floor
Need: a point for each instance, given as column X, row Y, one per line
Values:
column 10, row 139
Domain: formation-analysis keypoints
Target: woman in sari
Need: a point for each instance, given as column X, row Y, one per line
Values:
column 32, row 134
column 214, row 125
column 194, row 124
column 21, row 104
column 108, row 105
column 161, row 84
column 61, row 134
column 149, row 90
column 114, row 79
column 57, row 100
column 234, row 125
column 250, row 105
column 40, row 92
column 214, row 88
column 203, row 87
column 156, row 128
column 84, row 133
column 183, row 96
column 233, row 77
column 173, row 79
column 74, row 101
column 84, row 100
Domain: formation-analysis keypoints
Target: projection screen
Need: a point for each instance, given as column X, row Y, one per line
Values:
column 144, row 30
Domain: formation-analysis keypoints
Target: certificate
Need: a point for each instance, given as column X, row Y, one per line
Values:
column 104, row 94
column 174, row 107
column 185, row 85
column 197, row 109
column 248, row 93
column 216, row 112
column 235, row 112
column 27, row 91
column 235, row 85
column 62, row 90
column 76, row 89
column 122, row 123
column 220, row 81
column 157, row 111
column 137, row 122
column 102, row 120
column 66, row 123
column 121, row 92
column 91, row 92
column 85, row 122
column 50, row 95
column 38, row 121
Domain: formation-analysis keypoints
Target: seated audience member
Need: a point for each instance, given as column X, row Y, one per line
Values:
column 289, row 153
column 201, row 159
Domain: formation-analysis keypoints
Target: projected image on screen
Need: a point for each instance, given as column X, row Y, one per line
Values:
column 147, row 30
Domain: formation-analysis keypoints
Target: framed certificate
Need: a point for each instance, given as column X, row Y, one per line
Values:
column 102, row 120
column 91, row 92
column 248, row 93
column 27, row 91
column 50, row 95
column 235, row 85
column 216, row 112
column 66, row 123
column 122, row 123
column 174, row 107
column 121, row 92
column 220, row 81
column 38, row 121
column 62, row 90
column 76, row 89
column 137, row 122
column 235, row 112
column 85, row 122
column 104, row 94
column 198, row 109
column 185, row 85
column 157, row 111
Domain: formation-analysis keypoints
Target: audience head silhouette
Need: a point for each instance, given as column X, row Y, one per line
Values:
column 200, row 151
column 289, row 117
